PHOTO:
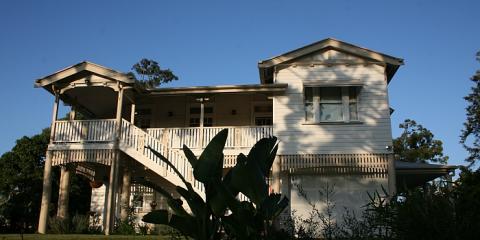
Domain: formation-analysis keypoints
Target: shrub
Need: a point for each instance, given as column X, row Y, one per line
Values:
column 58, row 225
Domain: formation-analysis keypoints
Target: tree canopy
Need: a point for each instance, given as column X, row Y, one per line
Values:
column 148, row 74
column 470, row 137
column 21, row 182
column 417, row 144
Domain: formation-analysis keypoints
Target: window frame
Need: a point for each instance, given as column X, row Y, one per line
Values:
column 255, row 114
column 209, row 115
column 345, row 101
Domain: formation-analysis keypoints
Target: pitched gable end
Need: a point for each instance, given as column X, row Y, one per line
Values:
column 328, row 51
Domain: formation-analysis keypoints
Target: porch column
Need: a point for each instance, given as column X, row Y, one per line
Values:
column 392, row 180
column 132, row 114
column 64, row 193
column 202, row 101
column 64, row 188
column 276, row 168
column 114, row 168
column 125, row 197
column 47, row 174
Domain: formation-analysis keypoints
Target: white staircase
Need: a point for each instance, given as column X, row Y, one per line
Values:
column 134, row 140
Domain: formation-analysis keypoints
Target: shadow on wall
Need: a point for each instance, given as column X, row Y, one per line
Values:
column 371, row 135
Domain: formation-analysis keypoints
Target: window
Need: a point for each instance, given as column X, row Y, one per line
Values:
column 331, row 104
column 263, row 121
column 195, row 116
column 195, row 122
column 262, row 114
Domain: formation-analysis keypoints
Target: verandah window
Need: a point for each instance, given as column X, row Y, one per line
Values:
column 331, row 104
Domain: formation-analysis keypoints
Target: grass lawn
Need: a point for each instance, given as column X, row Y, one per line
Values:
column 76, row 236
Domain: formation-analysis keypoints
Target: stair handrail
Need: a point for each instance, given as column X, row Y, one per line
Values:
column 139, row 139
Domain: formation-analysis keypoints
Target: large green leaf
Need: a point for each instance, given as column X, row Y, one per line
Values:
column 177, row 207
column 263, row 153
column 273, row 205
column 156, row 217
column 241, row 223
column 248, row 178
column 181, row 223
column 223, row 198
column 175, row 204
column 195, row 202
column 192, row 159
column 165, row 160
column 186, row 225
column 210, row 163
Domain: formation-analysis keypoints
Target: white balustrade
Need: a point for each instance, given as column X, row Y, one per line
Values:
column 196, row 137
column 73, row 131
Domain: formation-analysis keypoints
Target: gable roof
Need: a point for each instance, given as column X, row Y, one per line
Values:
column 266, row 66
column 81, row 67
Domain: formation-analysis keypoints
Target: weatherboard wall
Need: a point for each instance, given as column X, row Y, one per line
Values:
column 371, row 135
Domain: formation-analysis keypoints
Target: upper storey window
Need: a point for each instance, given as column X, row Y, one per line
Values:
column 331, row 104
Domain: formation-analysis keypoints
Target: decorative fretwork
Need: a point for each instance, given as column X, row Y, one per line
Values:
column 365, row 163
column 101, row 156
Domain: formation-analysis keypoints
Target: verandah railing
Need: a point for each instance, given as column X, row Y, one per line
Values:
column 103, row 130
column 72, row 131
column 196, row 137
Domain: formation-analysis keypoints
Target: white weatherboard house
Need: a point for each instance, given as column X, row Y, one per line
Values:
column 326, row 102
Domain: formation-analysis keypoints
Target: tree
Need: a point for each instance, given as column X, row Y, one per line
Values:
column 416, row 144
column 21, row 183
column 470, row 137
column 150, row 75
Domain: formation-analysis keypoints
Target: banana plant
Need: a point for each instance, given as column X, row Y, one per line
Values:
column 221, row 212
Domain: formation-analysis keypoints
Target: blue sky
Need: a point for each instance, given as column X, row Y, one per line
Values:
column 220, row 42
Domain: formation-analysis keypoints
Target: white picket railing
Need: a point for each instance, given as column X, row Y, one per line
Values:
column 195, row 137
column 70, row 131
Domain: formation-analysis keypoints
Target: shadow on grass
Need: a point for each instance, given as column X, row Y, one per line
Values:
column 76, row 237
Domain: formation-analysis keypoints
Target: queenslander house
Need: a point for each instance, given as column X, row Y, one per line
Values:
column 327, row 103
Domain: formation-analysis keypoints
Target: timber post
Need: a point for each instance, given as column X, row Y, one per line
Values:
column 392, row 180
column 47, row 174
column 276, row 168
column 125, row 197
column 114, row 168
column 64, row 192
column 64, row 188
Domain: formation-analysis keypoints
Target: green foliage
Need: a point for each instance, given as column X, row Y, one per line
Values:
column 21, row 171
column 58, row 225
column 220, row 212
column 127, row 227
column 78, row 224
column 467, row 201
column 150, row 75
column 417, row 144
column 441, row 211
column 21, row 182
column 470, row 137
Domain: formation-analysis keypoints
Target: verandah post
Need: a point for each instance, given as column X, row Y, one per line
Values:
column 125, row 197
column 47, row 174
column 392, row 183
column 64, row 192
column 114, row 168
column 64, row 188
